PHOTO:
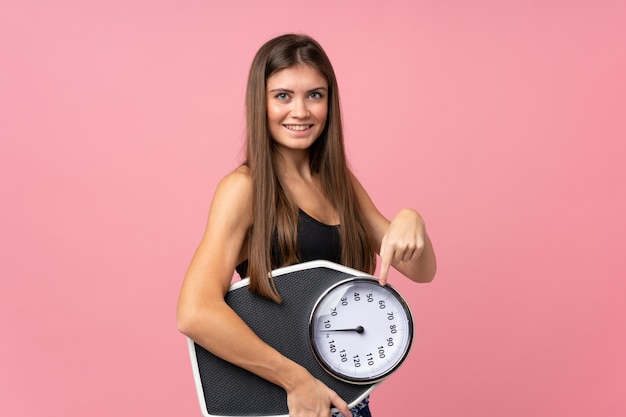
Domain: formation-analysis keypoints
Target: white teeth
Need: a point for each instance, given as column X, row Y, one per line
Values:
column 297, row 127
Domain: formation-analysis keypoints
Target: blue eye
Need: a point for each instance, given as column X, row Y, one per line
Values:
column 316, row 95
column 282, row 96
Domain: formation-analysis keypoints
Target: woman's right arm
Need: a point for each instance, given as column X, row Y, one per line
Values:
column 204, row 316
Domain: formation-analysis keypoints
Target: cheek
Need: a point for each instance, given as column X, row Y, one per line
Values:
column 320, row 111
column 274, row 113
column 322, row 115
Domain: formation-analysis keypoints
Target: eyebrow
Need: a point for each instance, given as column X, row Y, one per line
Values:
column 286, row 90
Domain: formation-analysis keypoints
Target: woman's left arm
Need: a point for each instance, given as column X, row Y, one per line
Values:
column 403, row 242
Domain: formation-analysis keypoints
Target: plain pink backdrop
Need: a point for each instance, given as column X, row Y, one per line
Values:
column 504, row 123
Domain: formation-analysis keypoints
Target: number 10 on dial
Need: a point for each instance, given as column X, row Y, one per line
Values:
column 361, row 331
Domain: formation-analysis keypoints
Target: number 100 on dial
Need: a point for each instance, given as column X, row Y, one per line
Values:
column 361, row 331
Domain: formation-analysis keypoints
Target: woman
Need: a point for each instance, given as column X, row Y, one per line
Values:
column 292, row 200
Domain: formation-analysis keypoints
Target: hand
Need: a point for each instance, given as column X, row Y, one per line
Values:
column 311, row 398
column 403, row 241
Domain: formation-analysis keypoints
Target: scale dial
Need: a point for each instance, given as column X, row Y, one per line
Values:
column 361, row 331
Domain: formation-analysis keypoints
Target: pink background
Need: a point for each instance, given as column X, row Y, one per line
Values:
column 502, row 122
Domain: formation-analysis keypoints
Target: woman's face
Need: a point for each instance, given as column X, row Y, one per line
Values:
column 297, row 106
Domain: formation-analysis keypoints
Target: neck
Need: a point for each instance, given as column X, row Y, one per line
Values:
column 294, row 163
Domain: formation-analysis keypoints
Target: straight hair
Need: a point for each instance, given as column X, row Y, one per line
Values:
column 275, row 214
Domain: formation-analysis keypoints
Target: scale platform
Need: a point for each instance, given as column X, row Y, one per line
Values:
column 225, row 390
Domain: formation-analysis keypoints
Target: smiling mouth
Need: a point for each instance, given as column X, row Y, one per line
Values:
column 298, row 128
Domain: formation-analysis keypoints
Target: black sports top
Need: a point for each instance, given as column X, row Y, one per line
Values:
column 315, row 240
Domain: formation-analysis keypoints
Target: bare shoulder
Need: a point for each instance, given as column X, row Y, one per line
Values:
column 236, row 181
column 233, row 196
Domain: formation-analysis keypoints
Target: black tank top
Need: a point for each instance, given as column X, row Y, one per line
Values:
column 315, row 240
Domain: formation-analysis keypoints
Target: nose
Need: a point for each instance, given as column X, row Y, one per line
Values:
column 299, row 109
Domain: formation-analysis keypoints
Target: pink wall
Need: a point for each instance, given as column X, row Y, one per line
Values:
column 502, row 122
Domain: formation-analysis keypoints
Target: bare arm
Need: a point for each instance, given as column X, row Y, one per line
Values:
column 204, row 316
column 403, row 242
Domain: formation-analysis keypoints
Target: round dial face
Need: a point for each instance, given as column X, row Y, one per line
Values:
column 361, row 331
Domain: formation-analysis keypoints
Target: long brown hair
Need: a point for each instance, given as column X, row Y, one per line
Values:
column 275, row 215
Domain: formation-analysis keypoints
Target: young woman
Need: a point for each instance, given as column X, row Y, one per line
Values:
column 292, row 200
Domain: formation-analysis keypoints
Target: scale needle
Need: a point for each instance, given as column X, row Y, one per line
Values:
column 358, row 329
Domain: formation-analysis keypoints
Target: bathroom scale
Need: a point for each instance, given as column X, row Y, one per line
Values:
column 346, row 329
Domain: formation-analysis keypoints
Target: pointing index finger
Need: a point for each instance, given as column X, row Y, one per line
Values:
column 384, row 266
